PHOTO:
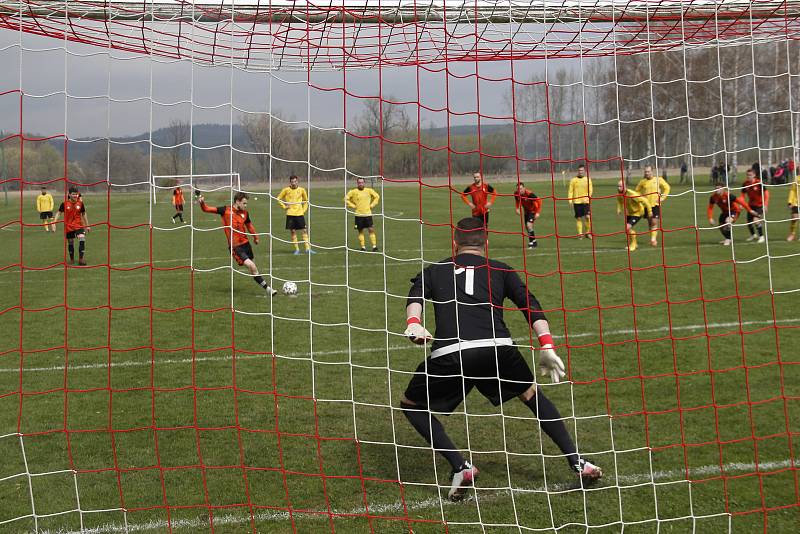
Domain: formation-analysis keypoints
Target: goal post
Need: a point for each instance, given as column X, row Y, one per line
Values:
column 165, row 183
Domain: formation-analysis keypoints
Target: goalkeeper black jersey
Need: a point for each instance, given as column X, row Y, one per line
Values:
column 467, row 292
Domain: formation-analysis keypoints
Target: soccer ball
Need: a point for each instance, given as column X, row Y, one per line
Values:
column 289, row 289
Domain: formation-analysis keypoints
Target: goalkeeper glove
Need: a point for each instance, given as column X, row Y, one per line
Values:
column 416, row 332
column 549, row 362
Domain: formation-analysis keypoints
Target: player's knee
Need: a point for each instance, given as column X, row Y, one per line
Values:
column 528, row 394
column 81, row 238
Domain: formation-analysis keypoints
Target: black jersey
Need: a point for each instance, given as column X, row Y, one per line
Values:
column 468, row 293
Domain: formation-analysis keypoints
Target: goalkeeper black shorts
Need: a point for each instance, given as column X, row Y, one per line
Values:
column 500, row 373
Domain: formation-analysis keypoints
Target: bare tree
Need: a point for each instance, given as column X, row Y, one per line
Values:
column 178, row 133
column 269, row 137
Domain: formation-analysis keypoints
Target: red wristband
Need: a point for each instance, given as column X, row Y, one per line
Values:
column 412, row 320
column 546, row 339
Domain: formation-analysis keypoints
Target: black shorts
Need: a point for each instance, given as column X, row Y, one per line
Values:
column 295, row 222
column 499, row 373
column 760, row 213
column 632, row 220
column 484, row 218
column 795, row 210
column 242, row 252
column 80, row 232
column 656, row 212
column 363, row 221
column 530, row 217
column 581, row 210
column 178, row 207
column 43, row 215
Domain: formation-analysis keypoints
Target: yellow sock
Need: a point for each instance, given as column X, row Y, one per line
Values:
column 793, row 226
column 588, row 225
column 306, row 242
column 294, row 242
column 632, row 241
column 653, row 235
column 579, row 224
column 374, row 240
column 361, row 240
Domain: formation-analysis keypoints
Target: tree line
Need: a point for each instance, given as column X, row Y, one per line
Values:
column 704, row 107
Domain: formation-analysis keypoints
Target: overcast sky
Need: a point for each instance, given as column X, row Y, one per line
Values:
column 89, row 91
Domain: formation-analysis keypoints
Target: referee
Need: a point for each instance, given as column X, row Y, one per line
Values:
column 473, row 349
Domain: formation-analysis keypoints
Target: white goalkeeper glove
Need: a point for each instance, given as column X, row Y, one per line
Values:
column 551, row 364
column 416, row 332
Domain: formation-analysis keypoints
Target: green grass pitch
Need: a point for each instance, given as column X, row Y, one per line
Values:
column 137, row 387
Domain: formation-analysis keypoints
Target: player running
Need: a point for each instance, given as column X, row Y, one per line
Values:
column 177, row 201
column 44, row 205
column 579, row 196
column 655, row 190
column 754, row 194
column 473, row 349
column 794, row 213
column 237, row 225
column 479, row 196
column 729, row 208
column 75, row 224
column 294, row 200
column 361, row 200
column 531, row 206
column 635, row 206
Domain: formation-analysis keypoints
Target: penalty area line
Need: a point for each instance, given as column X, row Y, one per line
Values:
column 399, row 509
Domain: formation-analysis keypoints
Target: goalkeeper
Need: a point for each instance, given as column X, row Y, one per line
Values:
column 473, row 349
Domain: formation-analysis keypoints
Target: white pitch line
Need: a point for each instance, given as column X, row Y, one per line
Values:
column 398, row 508
column 139, row 363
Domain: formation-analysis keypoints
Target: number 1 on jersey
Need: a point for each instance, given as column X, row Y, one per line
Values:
column 469, row 279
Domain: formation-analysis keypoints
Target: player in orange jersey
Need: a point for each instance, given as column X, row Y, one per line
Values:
column 730, row 207
column 237, row 226
column 479, row 196
column 531, row 206
column 177, row 201
column 754, row 194
column 75, row 224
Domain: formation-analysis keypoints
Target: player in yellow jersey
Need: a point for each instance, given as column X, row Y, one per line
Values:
column 655, row 190
column 44, row 205
column 794, row 212
column 634, row 206
column 294, row 200
column 579, row 195
column 361, row 200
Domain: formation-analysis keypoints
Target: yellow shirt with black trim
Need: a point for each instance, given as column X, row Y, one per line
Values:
column 580, row 189
column 794, row 194
column 655, row 190
column 633, row 204
column 362, row 200
column 44, row 203
column 294, row 201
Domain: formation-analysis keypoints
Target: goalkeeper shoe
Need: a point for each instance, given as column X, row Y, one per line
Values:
column 587, row 470
column 462, row 480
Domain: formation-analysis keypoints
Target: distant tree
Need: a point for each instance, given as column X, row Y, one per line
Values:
column 178, row 133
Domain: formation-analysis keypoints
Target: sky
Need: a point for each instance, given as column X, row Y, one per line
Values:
column 93, row 92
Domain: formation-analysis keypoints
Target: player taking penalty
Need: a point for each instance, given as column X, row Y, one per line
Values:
column 237, row 226
column 75, row 224
column 531, row 206
column 361, row 200
column 473, row 348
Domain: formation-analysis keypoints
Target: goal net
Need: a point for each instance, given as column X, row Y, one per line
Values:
column 148, row 381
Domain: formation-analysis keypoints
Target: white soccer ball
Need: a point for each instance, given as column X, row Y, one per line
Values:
column 289, row 289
